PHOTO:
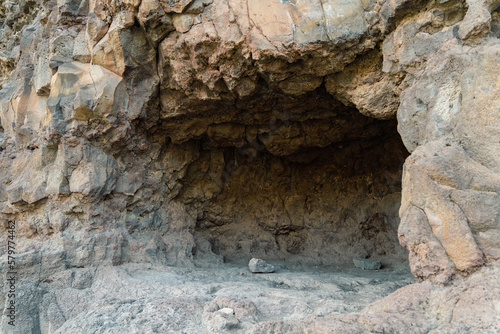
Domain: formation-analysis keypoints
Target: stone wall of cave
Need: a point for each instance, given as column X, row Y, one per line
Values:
column 314, row 191
column 323, row 206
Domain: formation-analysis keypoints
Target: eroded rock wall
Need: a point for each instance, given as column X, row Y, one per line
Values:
column 121, row 124
column 449, row 119
column 323, row 206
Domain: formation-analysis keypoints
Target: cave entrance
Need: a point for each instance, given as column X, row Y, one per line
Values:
column 316, row 183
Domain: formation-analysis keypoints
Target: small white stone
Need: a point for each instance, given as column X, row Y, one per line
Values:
column 227, row 310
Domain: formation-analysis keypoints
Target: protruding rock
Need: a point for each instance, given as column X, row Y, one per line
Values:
column 153, row 19
column 96, row 29
column 176, row 6
column 476, row 21
column 124, row 46
column 183, row 23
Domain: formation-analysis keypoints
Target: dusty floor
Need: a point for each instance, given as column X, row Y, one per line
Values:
column 132, row 299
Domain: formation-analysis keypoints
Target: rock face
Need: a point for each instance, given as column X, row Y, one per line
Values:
column 197, row 132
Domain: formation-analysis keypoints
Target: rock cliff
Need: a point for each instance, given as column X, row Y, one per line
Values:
column 198, row 132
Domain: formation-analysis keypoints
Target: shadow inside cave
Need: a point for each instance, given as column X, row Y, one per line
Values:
column 316, row 183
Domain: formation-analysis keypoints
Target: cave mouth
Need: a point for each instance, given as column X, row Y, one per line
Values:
column 316, row 186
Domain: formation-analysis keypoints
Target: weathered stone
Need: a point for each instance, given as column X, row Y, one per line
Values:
column 73, row 7
column 477, row 20
column 96, row 29
column 367, row 264
column 197, row 6
column 176, row 6
column 81, row 49
column 153, row 19
column 123, row 46
column 182, row 23
column 260, row 266
column 363, row 84
column 95, row 175
column 42, row 76
column 87, row 90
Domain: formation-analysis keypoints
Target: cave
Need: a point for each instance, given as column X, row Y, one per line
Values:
column 298, row 180
column 152, row 151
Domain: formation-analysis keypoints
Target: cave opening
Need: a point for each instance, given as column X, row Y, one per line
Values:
column 301, row 180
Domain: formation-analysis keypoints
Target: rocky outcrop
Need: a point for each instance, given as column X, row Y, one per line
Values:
column 198, row 132
column 447, row 118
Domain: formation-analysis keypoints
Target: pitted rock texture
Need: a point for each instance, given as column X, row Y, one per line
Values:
column 197, row 132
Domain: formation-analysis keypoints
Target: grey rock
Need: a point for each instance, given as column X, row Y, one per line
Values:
column 55, row 317
column 260, row 266
column 367, row 264
column 153, row 19
column 96, row 175
column 196, row 7
column 81, row 48
column 27, row 300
